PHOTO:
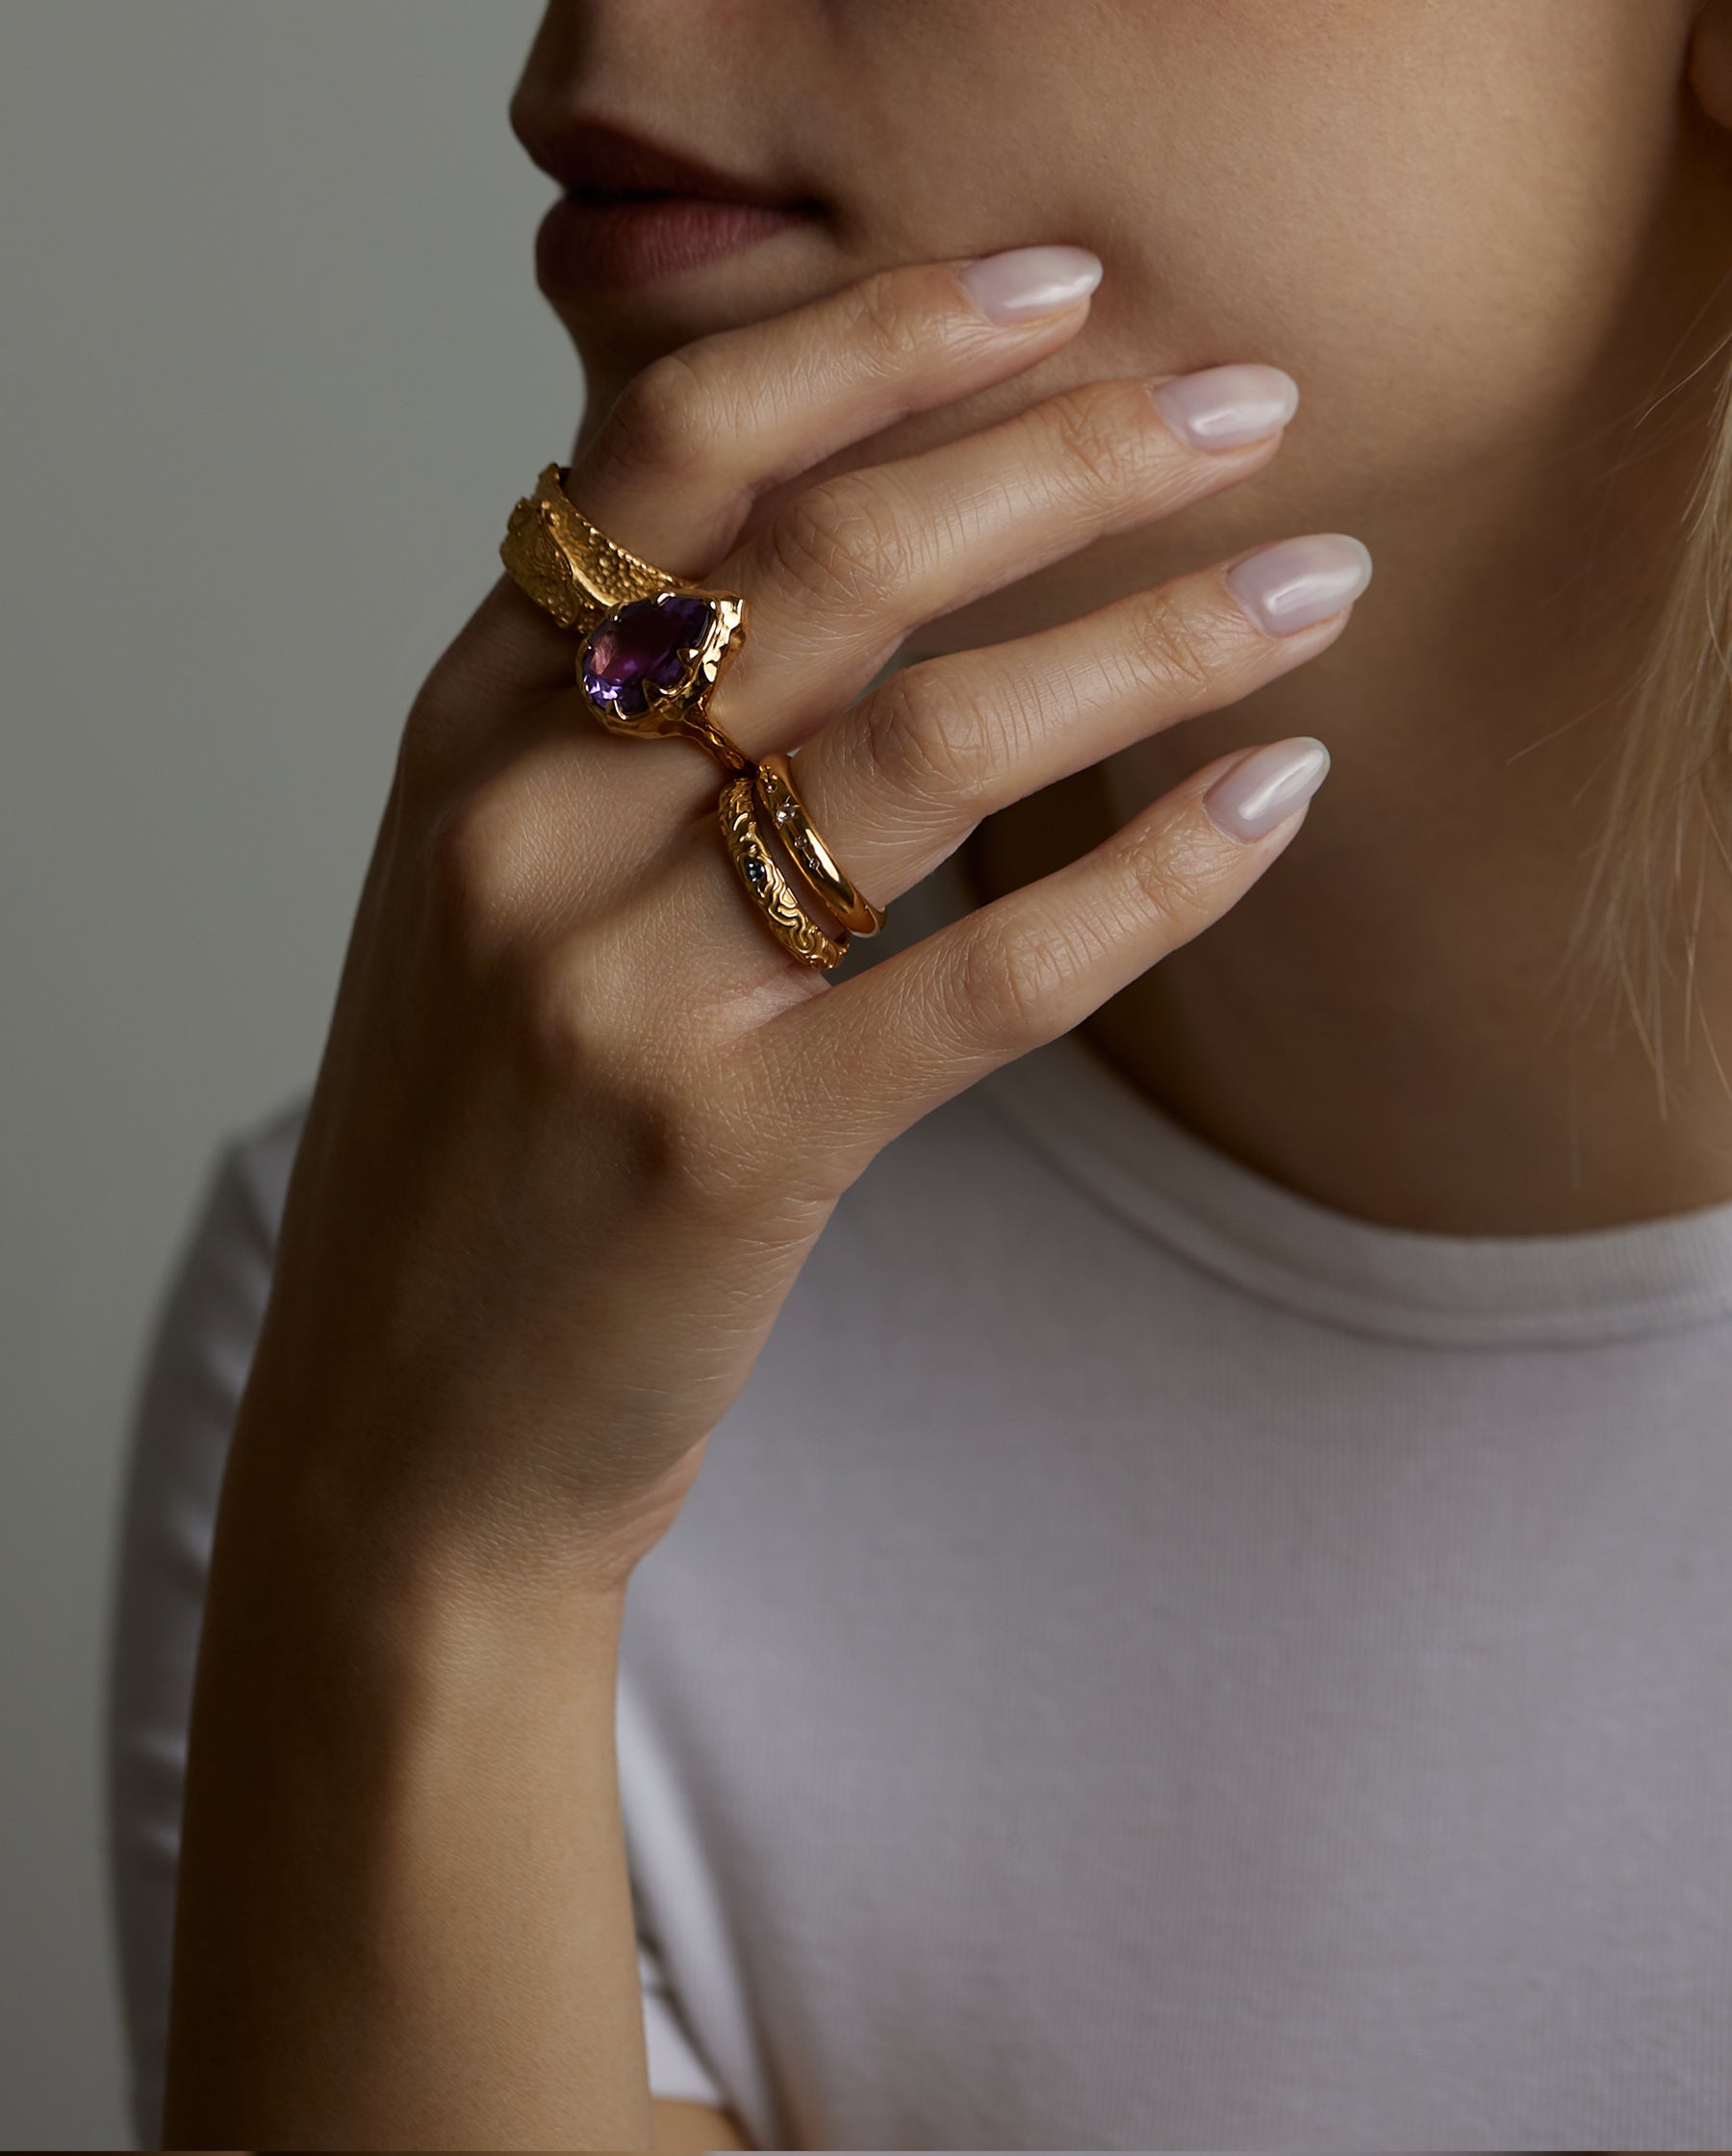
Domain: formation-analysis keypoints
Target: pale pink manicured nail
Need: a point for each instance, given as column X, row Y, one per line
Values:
column 1225, row 407
column 1263, row 788
column 1025, row 283
column 1298, row 581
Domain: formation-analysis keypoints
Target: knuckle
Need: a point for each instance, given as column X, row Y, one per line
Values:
column 664, row 417
column 423, row 757
column 564, row 1018
column 888, row 321
column 555, row 1010
column 1104, row 448
column 440, row 722
column 1174, row 872
column 657, row 1120
column 833, row 544
column 924, row 743
column 479, row 866
column 1171, row 649
column 1012, row 982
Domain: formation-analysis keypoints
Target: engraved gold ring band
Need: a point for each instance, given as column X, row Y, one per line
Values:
column 651, row 649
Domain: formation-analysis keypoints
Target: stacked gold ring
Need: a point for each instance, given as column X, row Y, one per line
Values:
column 776, row 897
column 774, row 785
column 653, row 648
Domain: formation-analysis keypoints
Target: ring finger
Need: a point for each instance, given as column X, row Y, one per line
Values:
column 897, row 782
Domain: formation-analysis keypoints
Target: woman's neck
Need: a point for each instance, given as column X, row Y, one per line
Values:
column 1380, row 1025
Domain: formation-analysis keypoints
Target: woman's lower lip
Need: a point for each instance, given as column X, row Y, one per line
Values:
column 602, row 247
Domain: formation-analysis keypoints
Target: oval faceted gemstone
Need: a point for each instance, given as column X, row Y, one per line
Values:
column 651, row 641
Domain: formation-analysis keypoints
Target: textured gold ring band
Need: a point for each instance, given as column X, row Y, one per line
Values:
column 793, row 827
column 568, row 565
column 653, row 648
column 775, row 898
column 654, row 645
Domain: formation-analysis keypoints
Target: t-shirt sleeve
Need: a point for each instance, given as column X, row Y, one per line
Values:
column 675, row 2070
column 199, row 1357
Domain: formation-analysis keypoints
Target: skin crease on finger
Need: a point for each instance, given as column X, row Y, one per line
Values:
column 1489, row 239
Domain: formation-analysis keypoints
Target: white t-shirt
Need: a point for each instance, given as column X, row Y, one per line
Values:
column 1149, row 1662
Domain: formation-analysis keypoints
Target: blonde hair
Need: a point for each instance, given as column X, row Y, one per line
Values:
column 1670, row 787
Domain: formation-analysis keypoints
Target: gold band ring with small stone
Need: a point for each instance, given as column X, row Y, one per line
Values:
column 653, row 646
column 774, row 785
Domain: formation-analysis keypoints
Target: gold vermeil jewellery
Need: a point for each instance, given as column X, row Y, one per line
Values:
column 792, row 926
column 653, row 649
column 774, row 785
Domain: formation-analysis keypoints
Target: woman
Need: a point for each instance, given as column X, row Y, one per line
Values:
column 1205, row 1624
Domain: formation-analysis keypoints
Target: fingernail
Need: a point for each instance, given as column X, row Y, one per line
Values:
column 1025, row 283
column 1263, row 788
column 1298, row 581
column 1225, row 407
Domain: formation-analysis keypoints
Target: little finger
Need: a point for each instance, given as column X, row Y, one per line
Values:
column 852, row 1069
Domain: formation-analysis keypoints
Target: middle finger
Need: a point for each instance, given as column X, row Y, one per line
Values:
column 896, row 784
column 841, row 574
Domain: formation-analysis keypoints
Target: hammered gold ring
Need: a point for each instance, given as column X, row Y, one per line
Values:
column 653, row 646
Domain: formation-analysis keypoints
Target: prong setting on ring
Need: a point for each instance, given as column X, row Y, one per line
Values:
column 651, row 648
column 659, row 684
column 647, row 666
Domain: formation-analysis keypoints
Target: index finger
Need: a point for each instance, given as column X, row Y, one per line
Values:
column 697, row 437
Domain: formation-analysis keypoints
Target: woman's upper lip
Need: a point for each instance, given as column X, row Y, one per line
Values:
column 595, row 159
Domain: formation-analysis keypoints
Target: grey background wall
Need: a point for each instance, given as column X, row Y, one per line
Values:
column 273, row 370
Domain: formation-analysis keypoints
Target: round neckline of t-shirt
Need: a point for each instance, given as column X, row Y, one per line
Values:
column 1581, row 1288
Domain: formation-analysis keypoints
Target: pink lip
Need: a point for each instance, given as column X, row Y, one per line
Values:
column 588, row 246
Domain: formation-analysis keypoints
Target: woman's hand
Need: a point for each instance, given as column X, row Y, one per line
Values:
column 579, row 1123
column 580, row 1120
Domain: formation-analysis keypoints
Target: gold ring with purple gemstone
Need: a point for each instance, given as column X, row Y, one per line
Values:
column 653, row 646
column 653, row 649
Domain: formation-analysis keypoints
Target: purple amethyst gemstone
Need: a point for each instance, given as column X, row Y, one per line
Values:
column 649, row 641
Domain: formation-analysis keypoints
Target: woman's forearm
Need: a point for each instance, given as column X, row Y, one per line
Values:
column 404, row 1919
column 578, row 1126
